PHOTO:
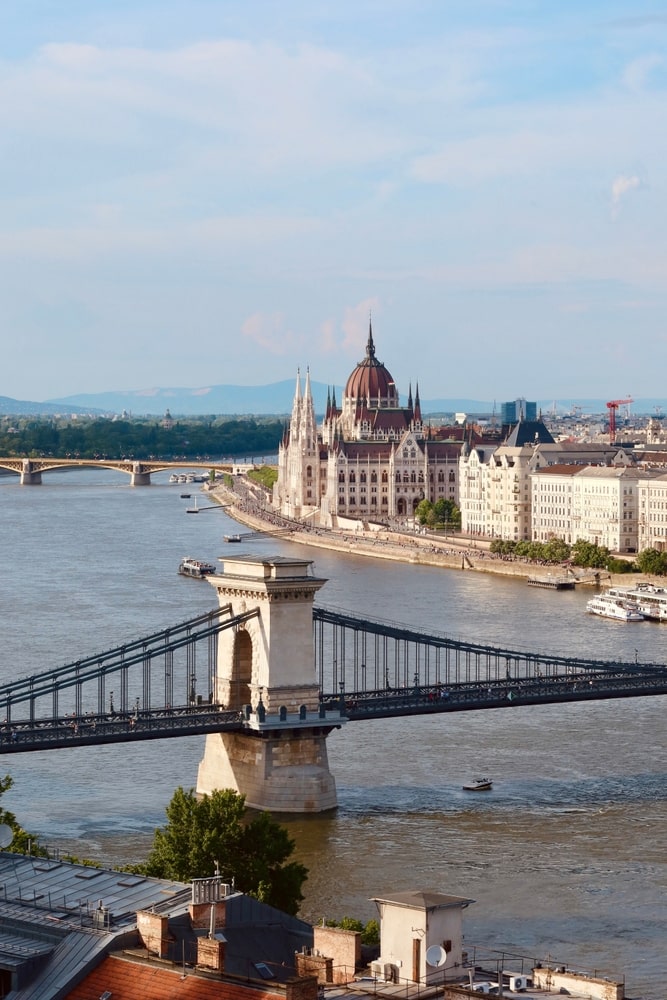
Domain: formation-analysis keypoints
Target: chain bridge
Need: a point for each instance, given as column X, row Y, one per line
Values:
column 267, row 675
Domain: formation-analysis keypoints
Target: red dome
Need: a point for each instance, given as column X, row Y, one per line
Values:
column 370, row 380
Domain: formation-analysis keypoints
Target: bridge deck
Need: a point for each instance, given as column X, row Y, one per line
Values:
column 367, row 669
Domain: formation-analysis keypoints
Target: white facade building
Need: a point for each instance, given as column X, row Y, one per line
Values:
column 594, row 504
column 652, row 511
column 495, row 493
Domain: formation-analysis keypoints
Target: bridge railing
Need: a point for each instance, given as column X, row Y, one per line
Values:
column 160, row 671
column 373, row 656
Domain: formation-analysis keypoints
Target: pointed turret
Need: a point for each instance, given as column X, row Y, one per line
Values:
column 370, row 346
column 418, row 408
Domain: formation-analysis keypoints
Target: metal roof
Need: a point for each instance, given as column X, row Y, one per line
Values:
column 57, row 918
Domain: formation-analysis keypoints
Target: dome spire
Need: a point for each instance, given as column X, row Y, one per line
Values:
column 370, row 346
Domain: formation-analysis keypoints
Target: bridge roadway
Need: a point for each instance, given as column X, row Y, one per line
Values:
column 163, row 690
column 30, row 469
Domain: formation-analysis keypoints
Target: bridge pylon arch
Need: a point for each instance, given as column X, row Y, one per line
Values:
column 266, row 670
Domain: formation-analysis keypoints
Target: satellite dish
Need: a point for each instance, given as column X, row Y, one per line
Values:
column 436, row 956
column 6, row 835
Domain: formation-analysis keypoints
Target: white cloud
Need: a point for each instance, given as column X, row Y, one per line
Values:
column 620, row 187
column 269, row 331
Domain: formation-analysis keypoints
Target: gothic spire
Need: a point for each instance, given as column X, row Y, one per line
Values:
column 370, row 346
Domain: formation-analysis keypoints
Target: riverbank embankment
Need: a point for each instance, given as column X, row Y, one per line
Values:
column 464, row 555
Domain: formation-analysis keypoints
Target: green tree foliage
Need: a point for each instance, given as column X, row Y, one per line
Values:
column 266, row 476
column 214, row 830
column 140, row 439
column 553, row 551
column 652, row 561
column 23, row 841
column 615, row 565
column 370, row 932
column 589, row 555
column 442, row 513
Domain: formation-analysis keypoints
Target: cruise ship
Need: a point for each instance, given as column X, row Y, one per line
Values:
column 610, row 606
column 651, row 600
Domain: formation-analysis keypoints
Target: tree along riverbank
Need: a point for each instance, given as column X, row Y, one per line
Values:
column 465, row 555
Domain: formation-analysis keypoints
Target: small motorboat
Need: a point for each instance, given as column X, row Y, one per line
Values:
column 196, row 568
column 479, row 785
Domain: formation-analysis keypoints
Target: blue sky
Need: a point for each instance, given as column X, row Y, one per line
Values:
column 205, row 192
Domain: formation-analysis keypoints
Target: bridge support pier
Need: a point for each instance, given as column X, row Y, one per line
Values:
column 266, row 670
column 283, row 772
column 28, row 476
column 139, row 477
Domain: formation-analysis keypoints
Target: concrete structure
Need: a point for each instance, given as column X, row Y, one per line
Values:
column 266, row 670
column 421, row 937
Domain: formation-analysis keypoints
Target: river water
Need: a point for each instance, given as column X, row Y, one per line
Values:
column 565, row 858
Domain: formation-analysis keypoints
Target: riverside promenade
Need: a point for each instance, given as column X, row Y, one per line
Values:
column 249, row 507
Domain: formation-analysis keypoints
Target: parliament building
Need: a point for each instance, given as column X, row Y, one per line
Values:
column 370, row 461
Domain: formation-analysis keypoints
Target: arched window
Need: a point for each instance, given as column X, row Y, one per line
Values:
column 441, row 476
column 352, row 477
column 309, row 472
column 374, row 477
column 362, row 477
column 385, row 477
column 413, row 477
column 452, row 476
column 341, row 477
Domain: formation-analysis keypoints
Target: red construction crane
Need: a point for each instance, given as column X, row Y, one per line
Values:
column 612, row 406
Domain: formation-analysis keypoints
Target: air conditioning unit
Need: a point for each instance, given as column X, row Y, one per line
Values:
column 517, row 984
column 377, row 969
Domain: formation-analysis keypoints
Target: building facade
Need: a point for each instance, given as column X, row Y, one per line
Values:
column 495, row 483
column 371, row 460
column 593, row 504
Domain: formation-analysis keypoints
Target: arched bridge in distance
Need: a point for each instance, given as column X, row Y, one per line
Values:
column 30, row 470
column 162, row 685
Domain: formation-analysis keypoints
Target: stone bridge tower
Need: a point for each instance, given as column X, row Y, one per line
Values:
column 266, row 670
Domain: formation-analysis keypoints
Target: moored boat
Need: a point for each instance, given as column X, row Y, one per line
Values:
column 196, row 568
column 618, row 608
column 232, row 538
column 479, row 785
column 651, row 600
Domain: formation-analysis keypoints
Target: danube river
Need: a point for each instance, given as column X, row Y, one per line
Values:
column 565, row 858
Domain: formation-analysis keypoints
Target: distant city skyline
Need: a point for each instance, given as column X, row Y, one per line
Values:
column 211, row 192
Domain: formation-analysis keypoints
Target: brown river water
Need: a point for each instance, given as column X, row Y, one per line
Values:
column 565, row 858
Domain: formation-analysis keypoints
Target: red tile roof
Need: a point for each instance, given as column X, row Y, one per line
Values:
column 132, row 980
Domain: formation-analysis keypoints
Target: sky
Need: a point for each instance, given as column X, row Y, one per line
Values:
column 204, row 192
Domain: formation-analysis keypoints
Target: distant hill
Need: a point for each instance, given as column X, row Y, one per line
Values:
column 261, row 400
column 269, row 400
column 26, row 408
